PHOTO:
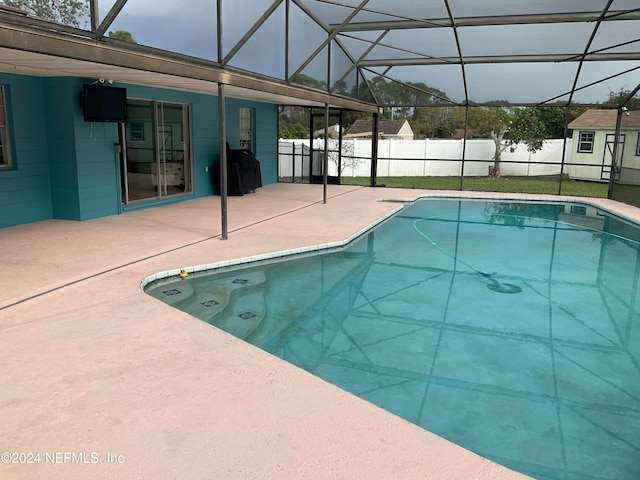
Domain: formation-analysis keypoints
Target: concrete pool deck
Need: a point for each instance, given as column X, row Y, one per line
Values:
column 105, row 382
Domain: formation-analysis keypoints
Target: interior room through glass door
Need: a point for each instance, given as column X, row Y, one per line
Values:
column 157, row 156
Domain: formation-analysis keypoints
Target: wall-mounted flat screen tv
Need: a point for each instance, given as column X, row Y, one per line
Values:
column 103, row 103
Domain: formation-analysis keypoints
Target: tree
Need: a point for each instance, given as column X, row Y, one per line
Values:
column 493, row 123
column 405, row 98
column 528, row 125
column 523, row 125
column 68, row 12
column 518, row 214
column 618, row 97
column 292, row 130
column 481, row 120
column 293, row 122
column 122, row 35
column 501, row 146
column 308, row 81
column 344, row 160
column 433, row 122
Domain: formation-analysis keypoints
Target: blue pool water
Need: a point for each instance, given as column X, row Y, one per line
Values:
column 543, row 377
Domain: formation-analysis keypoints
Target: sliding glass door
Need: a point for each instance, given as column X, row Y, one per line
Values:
column 156, row 159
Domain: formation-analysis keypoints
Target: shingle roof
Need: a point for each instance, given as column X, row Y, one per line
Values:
column 605, row 118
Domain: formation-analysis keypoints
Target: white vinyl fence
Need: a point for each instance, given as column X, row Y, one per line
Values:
column 399, row 158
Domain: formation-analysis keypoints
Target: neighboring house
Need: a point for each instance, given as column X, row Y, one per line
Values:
column 594, row 140
column 334, row 132
column 387, row 129
column 59, row 162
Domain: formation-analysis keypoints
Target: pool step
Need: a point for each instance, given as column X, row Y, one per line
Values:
column 233, row 303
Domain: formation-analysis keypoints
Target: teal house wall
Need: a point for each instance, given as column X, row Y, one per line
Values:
column 81, row 155
column 265, row 124
column 66, row 168
column 60, row 131
column 25, row 189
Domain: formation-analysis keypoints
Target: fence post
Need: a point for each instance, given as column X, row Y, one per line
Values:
column 374, row 151
column 464, row 145
column 425, row 155
column 293, row 163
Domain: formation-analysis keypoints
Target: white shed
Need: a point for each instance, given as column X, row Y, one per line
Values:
column 594, row 139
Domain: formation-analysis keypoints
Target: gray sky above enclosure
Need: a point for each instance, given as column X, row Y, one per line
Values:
column 476, row 51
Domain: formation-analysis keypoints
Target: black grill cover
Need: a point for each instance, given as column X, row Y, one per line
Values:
column 243, row 172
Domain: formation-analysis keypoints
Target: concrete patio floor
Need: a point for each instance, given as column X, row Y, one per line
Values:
column 105, row 382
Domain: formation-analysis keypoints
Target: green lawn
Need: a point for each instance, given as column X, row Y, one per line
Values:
column 543, row 184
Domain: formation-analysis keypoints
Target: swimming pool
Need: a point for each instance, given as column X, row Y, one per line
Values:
column 508, row 328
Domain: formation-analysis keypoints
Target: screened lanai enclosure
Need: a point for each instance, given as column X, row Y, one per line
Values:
column 201, row 74
column 370, row 56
